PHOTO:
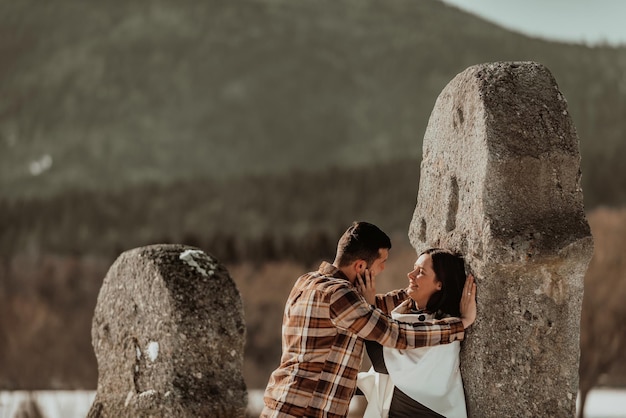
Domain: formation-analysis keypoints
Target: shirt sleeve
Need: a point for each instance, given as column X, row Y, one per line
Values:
column 349, row 311
column 389, row 301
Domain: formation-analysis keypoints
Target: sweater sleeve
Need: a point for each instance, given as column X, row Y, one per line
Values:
column 387, row 302
column 349, row 311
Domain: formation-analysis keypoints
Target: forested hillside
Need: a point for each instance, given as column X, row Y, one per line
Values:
column 115, row 94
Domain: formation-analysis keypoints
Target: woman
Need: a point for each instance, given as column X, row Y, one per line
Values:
column 421, row 382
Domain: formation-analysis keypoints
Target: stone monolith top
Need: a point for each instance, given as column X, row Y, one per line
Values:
column 500, row 182
column 169, row 333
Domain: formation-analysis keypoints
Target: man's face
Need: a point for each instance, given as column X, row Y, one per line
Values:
column 379, row 264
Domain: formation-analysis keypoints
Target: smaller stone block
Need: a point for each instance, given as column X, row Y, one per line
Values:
column 169, row 333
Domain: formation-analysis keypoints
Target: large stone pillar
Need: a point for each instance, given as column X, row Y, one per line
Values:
column 500, row 182
column 169, row 333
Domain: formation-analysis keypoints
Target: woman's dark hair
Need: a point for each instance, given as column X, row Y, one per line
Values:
column 361, row 241
column 450, row 271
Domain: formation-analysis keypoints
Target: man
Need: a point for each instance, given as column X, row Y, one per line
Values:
column 326, row 320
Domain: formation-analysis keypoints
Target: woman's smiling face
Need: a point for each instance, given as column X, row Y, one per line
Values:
column 423, row 282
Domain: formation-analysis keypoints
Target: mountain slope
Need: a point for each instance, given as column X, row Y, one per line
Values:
column 112, row 94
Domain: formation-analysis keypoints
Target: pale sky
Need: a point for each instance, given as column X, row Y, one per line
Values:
column 580, row 21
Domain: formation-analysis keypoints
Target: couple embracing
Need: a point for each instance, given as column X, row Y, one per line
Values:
column 332, row 315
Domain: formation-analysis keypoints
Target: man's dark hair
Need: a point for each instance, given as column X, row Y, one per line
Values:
column 361, row 241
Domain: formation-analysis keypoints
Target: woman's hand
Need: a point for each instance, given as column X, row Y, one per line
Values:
column 468, row 302
column 367, row 286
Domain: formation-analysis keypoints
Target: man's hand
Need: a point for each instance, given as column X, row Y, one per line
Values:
column 468, row 302
column 367, row 286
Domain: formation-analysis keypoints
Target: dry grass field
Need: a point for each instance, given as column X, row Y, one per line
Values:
column 603, row 322
column 47, row 305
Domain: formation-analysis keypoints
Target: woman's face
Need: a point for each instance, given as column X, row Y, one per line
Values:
column 422, row 281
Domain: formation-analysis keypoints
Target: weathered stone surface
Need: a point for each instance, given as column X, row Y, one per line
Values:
column 168, row 333
column 500, row 182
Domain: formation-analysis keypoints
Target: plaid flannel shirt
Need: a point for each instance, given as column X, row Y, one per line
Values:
column 324, row 325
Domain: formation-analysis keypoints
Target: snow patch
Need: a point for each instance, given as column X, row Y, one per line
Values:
column 129, row 398
column 153, row 350
column 148, row 393
column 191, row 256
column 41, row 165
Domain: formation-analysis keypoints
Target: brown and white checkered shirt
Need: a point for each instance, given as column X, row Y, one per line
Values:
column 324, row 325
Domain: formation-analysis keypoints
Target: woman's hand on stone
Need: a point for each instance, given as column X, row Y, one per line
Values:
column 468, row 302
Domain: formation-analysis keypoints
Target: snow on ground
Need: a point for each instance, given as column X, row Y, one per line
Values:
column 53, row 404
column 601, row 403
column 606, row 403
